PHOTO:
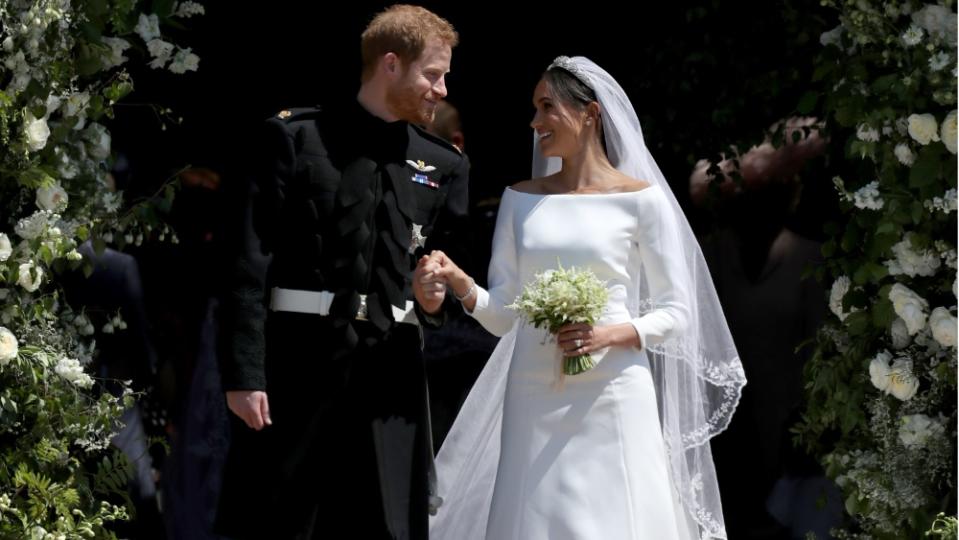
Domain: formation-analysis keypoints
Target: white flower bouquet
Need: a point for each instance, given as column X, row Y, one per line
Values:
column 559, row 297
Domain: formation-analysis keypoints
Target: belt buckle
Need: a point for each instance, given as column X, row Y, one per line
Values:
column 361, row 311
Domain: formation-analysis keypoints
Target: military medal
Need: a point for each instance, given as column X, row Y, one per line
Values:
column 417, row 240
column 425, row 180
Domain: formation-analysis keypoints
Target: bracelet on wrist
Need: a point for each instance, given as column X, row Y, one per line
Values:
column 469, row 292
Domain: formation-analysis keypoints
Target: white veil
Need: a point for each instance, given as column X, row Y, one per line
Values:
column 698, row 375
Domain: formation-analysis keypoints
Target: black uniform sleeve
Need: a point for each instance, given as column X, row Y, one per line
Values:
column 244, row 309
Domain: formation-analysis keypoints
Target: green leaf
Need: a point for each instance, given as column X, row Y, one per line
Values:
column 857, row 323
column 883, row 313
column 807, row 103
column 886, row 227
column 118, row 91
column 925, row 170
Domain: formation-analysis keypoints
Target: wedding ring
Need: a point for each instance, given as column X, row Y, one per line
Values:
column 578, row 343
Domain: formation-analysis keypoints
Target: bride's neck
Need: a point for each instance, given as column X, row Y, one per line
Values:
column 587, row 168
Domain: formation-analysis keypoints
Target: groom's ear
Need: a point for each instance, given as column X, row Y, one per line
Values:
column 391, row 64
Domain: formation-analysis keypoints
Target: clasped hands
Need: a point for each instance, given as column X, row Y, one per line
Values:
column 435, row 273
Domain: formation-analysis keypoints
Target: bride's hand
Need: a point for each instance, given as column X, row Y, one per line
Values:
column 459, row 282
column 581, row 338
column 428, row 288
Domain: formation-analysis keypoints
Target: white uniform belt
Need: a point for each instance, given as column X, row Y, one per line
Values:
column 318, row 303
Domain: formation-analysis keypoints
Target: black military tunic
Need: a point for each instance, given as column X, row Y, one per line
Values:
column 343, row 204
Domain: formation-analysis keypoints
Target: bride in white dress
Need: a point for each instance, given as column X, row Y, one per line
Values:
column 620, row 451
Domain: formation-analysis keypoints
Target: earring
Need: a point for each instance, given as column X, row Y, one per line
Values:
column 589, row 122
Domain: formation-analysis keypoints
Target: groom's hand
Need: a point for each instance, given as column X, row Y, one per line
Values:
column 251, row 406
column 428, row 288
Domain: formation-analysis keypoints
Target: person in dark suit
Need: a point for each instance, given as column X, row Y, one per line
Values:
column 322, row 360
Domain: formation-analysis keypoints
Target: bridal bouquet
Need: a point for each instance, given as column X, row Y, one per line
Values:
column 559, row 297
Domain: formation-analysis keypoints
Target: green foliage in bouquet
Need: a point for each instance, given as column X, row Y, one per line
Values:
column 559, row 297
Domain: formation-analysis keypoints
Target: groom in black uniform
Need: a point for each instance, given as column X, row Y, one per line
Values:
column 322, row 361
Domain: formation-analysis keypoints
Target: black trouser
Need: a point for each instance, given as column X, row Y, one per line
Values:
column 348, row 453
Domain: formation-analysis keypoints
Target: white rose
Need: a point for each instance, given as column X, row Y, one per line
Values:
column 916, row 429
column 902, row 383
column 923, row 128
column 909, row 306
column 899, row 334
column 52, row 198
column 97, row 141
column 71, row 370
column 36, row 130
column 879, row 371
column 943, row 326
column 839, row 289
column 904, row 154
column 948, row 132
column 5, row 248
column 8, row 346
column 148, row 27
column 26, row 280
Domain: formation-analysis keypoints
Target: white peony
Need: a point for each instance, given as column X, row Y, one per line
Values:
column 71, row 370
column 879, row 371
column 899, row 334
column 948, row 132
column 97, row 141
column 8, row 346
column 939, row 21
column 32, row 227
column 916, row 429
column 910, row 262
column 902, row 383
column 36, row 130
column 52, row 198
column 148, row 27
column 904, row 154
column 943, row 326
column 30, row 276
column 839, row 289
column 867, row 133
column 5, row 248
column 923, row 128
column 910, row 307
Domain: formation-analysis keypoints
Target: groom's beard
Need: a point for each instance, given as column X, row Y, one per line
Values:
column 405, row 103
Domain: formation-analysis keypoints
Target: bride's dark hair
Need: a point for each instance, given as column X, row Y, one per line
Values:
column 570, row 90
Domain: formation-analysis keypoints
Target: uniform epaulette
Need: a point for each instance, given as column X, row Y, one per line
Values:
column 299, row 113
column 436, row 139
